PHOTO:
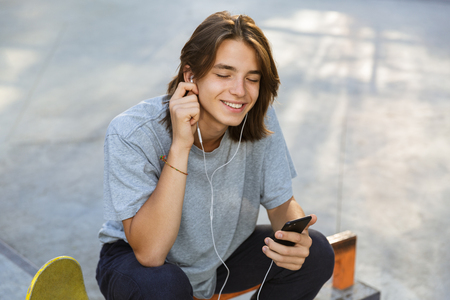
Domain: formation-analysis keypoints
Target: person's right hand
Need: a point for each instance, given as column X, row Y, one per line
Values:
column 184, row 113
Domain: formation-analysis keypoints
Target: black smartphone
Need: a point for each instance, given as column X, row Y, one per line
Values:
column 297, row 225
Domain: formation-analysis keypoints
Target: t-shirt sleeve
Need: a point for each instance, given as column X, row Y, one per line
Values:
column 278, row 167
column 129, row 177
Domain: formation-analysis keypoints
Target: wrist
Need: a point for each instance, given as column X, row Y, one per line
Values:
column 179, row 151
column 177, row 158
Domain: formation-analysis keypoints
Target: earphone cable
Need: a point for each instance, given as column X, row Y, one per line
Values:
column 211, row 212
column 264, row 280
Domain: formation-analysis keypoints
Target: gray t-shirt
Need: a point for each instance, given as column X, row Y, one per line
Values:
column 259, row 174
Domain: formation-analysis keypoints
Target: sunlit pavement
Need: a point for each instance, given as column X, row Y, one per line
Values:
column 364, row 106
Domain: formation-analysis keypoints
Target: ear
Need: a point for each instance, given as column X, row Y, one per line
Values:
column 187, row 73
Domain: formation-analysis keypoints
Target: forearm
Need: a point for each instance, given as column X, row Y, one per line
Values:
column 153, row 230
column 290, row 210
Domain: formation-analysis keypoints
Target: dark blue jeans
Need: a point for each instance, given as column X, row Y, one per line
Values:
column 120, row 276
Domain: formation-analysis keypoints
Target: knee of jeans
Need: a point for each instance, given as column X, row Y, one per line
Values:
column 171, row 282
column 173, row 275
column 121, row 287
column 323, row 253
column 166, row 283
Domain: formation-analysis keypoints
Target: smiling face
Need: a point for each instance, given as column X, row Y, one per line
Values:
column 230, row 89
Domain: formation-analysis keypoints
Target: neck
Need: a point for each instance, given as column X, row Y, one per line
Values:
column 211, row 138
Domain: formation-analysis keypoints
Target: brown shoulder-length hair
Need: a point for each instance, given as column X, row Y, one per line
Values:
column 199, row 53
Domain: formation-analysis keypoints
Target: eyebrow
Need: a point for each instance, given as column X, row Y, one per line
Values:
column 231, row 68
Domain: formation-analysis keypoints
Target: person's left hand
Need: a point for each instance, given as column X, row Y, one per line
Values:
column 290, row 257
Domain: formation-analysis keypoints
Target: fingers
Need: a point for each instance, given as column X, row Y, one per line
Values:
column 184, row 113
column 184, row 102
column 289, row 257
column 295, row 237
column 298, row 250
column 183, row 88
column 186, row 109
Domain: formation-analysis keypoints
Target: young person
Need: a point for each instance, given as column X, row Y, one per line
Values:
column 186, row 173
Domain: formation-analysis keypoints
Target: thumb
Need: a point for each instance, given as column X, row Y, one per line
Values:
column 194, row 120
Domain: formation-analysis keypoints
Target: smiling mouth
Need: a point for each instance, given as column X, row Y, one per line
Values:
column 233, row 105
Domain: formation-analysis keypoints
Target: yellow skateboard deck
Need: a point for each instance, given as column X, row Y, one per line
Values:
column 60, row 278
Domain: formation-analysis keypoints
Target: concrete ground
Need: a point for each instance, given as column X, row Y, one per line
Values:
column 364, row 105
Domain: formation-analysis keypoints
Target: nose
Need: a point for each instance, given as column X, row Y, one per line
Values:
column 238, row 87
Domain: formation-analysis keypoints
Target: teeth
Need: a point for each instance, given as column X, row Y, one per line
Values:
column 233, row 105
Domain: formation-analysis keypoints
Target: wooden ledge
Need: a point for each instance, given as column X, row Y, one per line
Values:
column 344, row 246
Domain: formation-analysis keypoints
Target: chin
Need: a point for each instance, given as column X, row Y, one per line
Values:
column 235, row 123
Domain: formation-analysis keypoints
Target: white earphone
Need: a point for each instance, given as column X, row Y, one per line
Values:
column 191, row 79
